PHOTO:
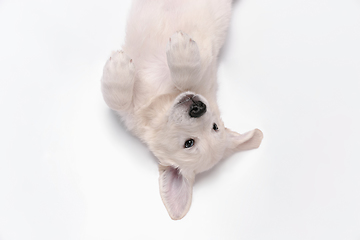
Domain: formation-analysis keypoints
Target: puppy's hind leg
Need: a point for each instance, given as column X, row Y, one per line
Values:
column 184, row 61
column 117, row 82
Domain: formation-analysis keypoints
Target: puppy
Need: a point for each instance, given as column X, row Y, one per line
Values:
column 163, row 85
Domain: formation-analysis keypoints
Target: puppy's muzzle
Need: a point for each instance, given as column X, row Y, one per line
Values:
column 197, row 109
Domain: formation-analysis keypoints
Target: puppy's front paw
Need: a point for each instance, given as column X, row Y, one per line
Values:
column 183, row 59
column 182, row 51
column 117, row 82
column 119, row 68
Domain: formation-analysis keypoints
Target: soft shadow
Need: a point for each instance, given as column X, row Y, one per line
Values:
column 121, row 130
column 215, row 171
column 225, row 48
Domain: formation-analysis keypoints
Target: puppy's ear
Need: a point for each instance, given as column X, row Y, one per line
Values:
column 241, row 142
column 176, row 191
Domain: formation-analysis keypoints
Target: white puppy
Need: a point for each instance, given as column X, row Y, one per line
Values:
column 163, row 85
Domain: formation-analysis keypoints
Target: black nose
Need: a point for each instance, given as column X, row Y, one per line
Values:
column 197, row 109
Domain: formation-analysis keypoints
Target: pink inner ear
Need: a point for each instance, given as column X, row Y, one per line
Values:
column 251, row 140
column 176, row 192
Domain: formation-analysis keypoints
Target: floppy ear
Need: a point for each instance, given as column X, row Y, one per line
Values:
column 175, row 191
column 241, row 142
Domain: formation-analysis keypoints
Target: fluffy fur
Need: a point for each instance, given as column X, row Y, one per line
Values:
column 168, row 61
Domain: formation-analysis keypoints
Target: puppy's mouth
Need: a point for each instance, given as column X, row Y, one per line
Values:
column 186, row 98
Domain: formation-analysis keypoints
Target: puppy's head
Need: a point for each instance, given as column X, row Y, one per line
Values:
column 188, row 137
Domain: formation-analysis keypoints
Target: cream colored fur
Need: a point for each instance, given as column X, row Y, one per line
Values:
column 170, row 52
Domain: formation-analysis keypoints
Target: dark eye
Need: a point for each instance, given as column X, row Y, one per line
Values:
column 215, row 127
column 189, row 143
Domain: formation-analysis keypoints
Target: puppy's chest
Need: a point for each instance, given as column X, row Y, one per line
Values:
column 155, row 79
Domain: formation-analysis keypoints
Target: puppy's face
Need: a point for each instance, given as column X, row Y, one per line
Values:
column 191, row 138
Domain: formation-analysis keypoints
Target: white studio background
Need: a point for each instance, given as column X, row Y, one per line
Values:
column 69, row 170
